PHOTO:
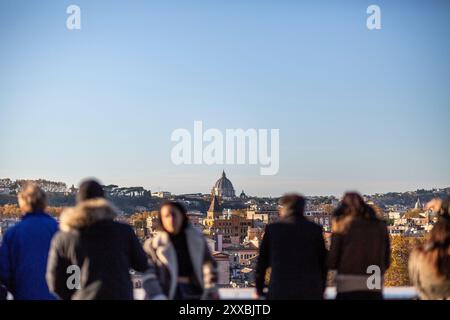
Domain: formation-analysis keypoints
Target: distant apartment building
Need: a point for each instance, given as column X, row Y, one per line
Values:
column 230, row 224
column 223, row 268
column 262, row 217
column 242, row 254
column 397, row 230
column 162, row 194
column 129, row 192
column 415, row 222
column 394, row 215
column 320, row 217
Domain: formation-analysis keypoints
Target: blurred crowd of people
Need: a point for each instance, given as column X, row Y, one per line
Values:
column 88, row 255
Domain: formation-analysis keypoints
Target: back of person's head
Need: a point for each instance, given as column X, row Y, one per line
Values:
column 354, row 205
column 32, row 198
column 351, row 207
column 292, row 205
column 90, row 189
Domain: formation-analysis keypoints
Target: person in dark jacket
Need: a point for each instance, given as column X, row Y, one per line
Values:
column 24, row 249
column 91, row 256
column 185, row 267
column 429, row 264
column 360, row 250
column 294, row 249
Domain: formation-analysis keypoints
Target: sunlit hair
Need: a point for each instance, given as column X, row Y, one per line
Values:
column 293, row 204
column 352, row 206
column 438, row 245
column 32, row 198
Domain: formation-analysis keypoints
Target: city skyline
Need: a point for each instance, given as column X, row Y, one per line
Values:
column 213, row 183
column 357, row 109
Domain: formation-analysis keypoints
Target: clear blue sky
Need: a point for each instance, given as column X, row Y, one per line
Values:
column 356, row 109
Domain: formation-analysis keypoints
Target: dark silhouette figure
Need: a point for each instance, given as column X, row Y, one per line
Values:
column 294, row 249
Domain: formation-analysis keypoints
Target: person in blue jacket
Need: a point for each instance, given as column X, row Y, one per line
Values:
column 25, row 246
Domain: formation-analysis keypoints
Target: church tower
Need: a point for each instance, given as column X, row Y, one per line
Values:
column 214, row 210
column 418, row 204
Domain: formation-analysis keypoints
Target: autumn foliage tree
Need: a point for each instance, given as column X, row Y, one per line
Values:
column 12, row 211
column 9, row 211
column 397, row 274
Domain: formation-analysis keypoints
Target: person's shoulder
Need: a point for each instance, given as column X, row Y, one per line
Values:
column 122, row 230
column 62, row 240
column 380, row 224
column 50, row 220
column 194, row 231
column 49, row 217
column 66, row 236
column 121, row 226
column 280, row 225
column 273, row 226
column 21, row 227
column 314, row 227
column 34, row 219
column 12, row 231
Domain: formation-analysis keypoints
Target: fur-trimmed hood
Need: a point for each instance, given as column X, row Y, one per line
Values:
column 87, row 213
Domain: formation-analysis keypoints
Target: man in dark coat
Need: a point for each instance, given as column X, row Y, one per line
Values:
column 294, row 249
column 91, row 257
column 24, row 249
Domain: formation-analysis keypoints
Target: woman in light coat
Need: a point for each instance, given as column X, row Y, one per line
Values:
column 429, row 264
column 184, row 265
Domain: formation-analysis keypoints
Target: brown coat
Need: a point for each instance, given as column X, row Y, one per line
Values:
column 356, row 244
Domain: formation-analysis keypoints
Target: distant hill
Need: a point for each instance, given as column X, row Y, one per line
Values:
column 134, row 199
column 409, row 198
